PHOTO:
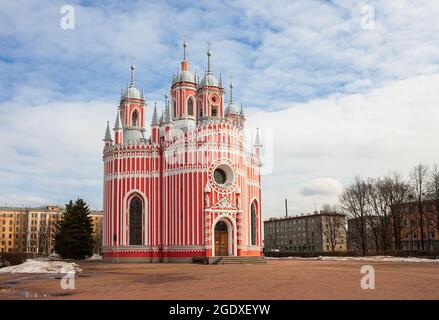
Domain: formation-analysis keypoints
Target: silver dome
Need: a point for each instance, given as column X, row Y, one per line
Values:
column 232, row 108
column 209, row 80
column 132, row 92
column 184, row 76
column 132, row 136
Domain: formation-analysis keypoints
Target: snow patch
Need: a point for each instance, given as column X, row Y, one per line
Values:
column 53, row 257
column 370, row 258
column 95, row 257
column 42, row 266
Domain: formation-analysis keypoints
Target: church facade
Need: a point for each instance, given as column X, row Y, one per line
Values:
column 190, row 188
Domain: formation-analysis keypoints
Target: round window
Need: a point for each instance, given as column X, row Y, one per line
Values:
column 220, row 176
column 223, row 176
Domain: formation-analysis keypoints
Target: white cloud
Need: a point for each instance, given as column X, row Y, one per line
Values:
column 322, row 186
column 339, row 100
column 387, row 129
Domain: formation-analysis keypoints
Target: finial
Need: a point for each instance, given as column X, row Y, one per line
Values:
column 184, row 50
column 118, row 123
column 108, row 133
column 231, row 92
column 258, row 139
column 154, row 121
column 209, row 62
column 132, row 75
column 221, row 80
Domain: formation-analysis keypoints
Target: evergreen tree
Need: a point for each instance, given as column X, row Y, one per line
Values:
column 73, row 235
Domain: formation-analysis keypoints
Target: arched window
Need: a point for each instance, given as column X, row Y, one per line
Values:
column 135, row 119
column 253, row 223
column 214, row 112
column 200, row 109
column 135, row 217
column 190, row 107
column 174, row 109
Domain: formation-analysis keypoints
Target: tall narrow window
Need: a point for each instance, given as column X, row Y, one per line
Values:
column 253, row 223
column 190, row 107
column 214, row 112
column 174, row 111
column 135, row 217
column 135, row 119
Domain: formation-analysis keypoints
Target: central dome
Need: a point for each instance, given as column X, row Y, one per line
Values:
column 184, row 76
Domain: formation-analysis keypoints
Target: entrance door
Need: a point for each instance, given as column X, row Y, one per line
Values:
column 221, row 239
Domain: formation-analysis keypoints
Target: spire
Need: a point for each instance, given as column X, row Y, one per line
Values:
column 154, row 116
column 257, row 139
column 167, row 115
column 209, row 62
column 118, row 123
column 241, row 112
column 184, row 50
column 221, row 80
column 121, row 94
column 142, row 94
column 108, row 133
column 196, row 76
column 133, row 67
column 231, row 92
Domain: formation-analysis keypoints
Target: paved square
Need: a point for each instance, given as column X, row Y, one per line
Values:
column 278, row 279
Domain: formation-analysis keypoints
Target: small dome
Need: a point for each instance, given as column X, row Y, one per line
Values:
column 184, row 76
column 132, row 92
column 132, row 136
column 232, row 108
column 209, row 80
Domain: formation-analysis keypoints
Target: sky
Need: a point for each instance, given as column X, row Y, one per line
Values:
column 338, row 88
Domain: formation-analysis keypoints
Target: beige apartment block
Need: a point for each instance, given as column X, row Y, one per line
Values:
column 31, row 230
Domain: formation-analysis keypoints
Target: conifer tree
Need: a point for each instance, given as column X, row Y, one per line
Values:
column 73, row 235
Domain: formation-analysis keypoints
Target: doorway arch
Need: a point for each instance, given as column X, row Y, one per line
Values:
column 221, row 239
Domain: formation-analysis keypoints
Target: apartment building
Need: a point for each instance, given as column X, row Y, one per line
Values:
column 318, row 232
column 31, row 230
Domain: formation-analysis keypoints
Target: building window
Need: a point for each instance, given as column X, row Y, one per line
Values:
column 190, row 107
column 214, row 112
column 135, row 221
column 135, row 119
column 253, row 223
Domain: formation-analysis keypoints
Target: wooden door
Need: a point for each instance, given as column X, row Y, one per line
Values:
column 221, row 243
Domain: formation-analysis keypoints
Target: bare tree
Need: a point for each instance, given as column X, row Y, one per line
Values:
column 418, row 177
column 353, row 200
column 433, row 193
column 397, row 192
column 379, row 213
column 333, row 229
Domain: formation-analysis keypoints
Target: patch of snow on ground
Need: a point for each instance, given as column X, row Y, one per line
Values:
column 53, row 257
column 42, row 266
column 370, row 258
column 95, row 257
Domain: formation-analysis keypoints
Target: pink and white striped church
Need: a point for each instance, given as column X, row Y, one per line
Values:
column 190, row 189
